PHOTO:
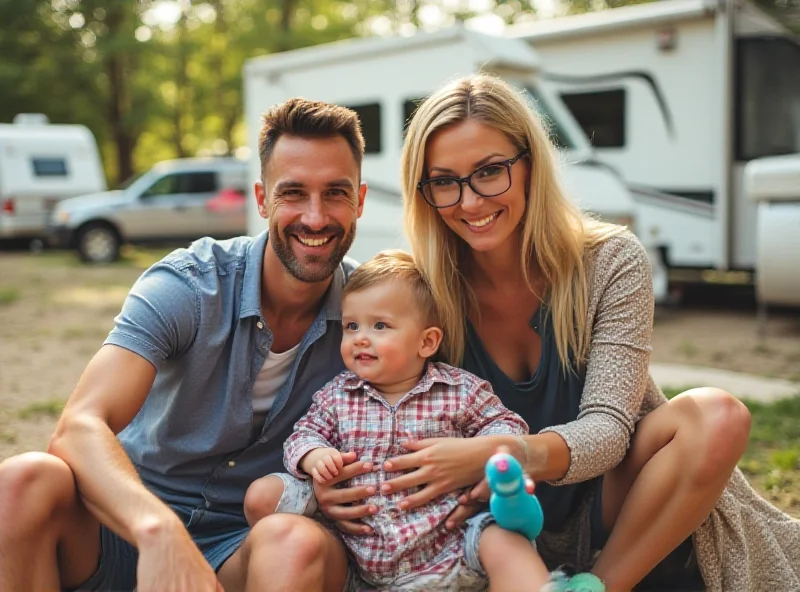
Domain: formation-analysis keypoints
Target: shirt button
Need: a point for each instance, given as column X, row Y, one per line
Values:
column 260, row 325
column 231, row 463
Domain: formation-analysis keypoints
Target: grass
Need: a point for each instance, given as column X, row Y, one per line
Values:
column 49, row 408
column 762, row 349
column 772, row 460
column 84, row 332
column 8, row 437
column 688, row 349
column 142, row 258
column 8, row 296
column 130, row 257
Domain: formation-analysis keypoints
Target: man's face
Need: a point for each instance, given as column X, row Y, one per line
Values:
column 312, row 198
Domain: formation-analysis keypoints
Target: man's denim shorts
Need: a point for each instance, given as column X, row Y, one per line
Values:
column 217, row 535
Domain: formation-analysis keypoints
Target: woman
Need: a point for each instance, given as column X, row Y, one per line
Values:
column 555, row 309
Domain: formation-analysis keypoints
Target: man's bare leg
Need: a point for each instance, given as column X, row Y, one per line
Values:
column 48, row 540
column 317, row 560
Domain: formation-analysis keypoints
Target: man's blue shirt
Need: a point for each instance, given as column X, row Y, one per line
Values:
column 196, row 316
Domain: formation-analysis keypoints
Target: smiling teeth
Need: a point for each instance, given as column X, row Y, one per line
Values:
column 313, row 242
column 483, row 221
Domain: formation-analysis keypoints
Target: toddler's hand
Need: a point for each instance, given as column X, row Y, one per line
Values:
column 324, row 464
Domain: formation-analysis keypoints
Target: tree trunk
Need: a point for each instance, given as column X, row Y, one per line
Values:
column 220, row 45
column 287, row 12
column 119, row 67
column 123, row 141
column 181, row 85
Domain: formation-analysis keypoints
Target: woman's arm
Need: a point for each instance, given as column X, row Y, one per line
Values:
column 617, row 364
column 616, row 378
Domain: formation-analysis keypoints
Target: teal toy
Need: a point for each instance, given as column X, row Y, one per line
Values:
column 513, row 508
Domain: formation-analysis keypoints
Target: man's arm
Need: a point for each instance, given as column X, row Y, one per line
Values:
column 158, row 321
column 108, row 396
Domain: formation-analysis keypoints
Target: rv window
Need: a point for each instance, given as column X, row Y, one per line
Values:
column 557, row 134
column 49, row 167
column 370, row 116
column 601, row 114
column 409, row 106
column 767, row 97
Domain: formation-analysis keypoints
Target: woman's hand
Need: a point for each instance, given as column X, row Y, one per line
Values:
column 337, row 504
column 439, row 466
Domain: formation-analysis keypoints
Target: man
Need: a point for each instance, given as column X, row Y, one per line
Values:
column 215, row 355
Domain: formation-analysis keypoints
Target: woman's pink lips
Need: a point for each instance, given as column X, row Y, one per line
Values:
column 485, row 228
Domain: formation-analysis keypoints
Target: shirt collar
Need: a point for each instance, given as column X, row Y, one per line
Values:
column 435, row 372
column 251, row 286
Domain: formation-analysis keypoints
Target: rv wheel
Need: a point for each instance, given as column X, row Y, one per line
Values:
column 98, row 243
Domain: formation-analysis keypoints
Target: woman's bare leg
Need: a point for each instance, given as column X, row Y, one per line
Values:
column 681, row 458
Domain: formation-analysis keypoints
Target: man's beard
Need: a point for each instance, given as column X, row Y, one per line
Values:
column 314, row 268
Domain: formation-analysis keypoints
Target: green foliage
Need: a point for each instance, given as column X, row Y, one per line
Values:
column 158, row 79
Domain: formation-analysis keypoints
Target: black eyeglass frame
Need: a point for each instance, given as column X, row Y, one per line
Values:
column 468, row 180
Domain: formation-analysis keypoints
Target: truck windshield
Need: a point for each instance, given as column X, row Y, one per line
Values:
column 130, row 181
column 767, row 97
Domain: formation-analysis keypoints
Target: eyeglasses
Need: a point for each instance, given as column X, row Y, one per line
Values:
column 489, row 180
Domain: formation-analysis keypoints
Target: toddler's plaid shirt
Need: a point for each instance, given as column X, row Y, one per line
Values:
column 349, row 415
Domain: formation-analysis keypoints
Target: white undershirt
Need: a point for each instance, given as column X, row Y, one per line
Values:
column 271, row 377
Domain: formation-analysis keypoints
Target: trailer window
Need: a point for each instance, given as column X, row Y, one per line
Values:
column 767, row 97
column 601, row 114
column 370, row 117
column 409, row 107
column 557, row 134
column 49, row 167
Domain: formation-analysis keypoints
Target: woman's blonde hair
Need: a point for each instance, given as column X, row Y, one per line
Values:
column 554, row 230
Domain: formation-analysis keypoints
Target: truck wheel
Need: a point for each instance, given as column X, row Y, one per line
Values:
column 98, row 243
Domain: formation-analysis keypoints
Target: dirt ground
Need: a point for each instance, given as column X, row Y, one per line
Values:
column 55, row 313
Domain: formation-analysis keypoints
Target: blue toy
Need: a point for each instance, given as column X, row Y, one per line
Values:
column 512, row 507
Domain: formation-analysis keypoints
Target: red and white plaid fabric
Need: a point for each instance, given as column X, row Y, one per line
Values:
column 349, row 415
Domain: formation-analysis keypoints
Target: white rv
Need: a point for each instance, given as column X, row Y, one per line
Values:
column 41, row 164
column 678, row 96
column 383, row 78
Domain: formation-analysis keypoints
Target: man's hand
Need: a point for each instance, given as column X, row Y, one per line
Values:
column 337, row 504
column 323, row 464
column 169, row 561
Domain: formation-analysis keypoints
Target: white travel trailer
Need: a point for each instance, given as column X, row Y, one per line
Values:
column 383, row 78
column 678, row 96
column 41, row 164
column 774, row 185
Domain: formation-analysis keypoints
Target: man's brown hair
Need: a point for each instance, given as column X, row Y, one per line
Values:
column 395, row 266
column 309, row 119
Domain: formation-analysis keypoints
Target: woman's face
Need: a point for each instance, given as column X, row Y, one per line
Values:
column 483, row 222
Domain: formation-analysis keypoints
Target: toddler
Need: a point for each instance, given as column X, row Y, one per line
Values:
column 393, row 392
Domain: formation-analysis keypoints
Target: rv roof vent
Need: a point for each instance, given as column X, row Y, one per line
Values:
column 31, row 119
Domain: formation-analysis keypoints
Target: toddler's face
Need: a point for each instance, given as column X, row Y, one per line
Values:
column 383, row 338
